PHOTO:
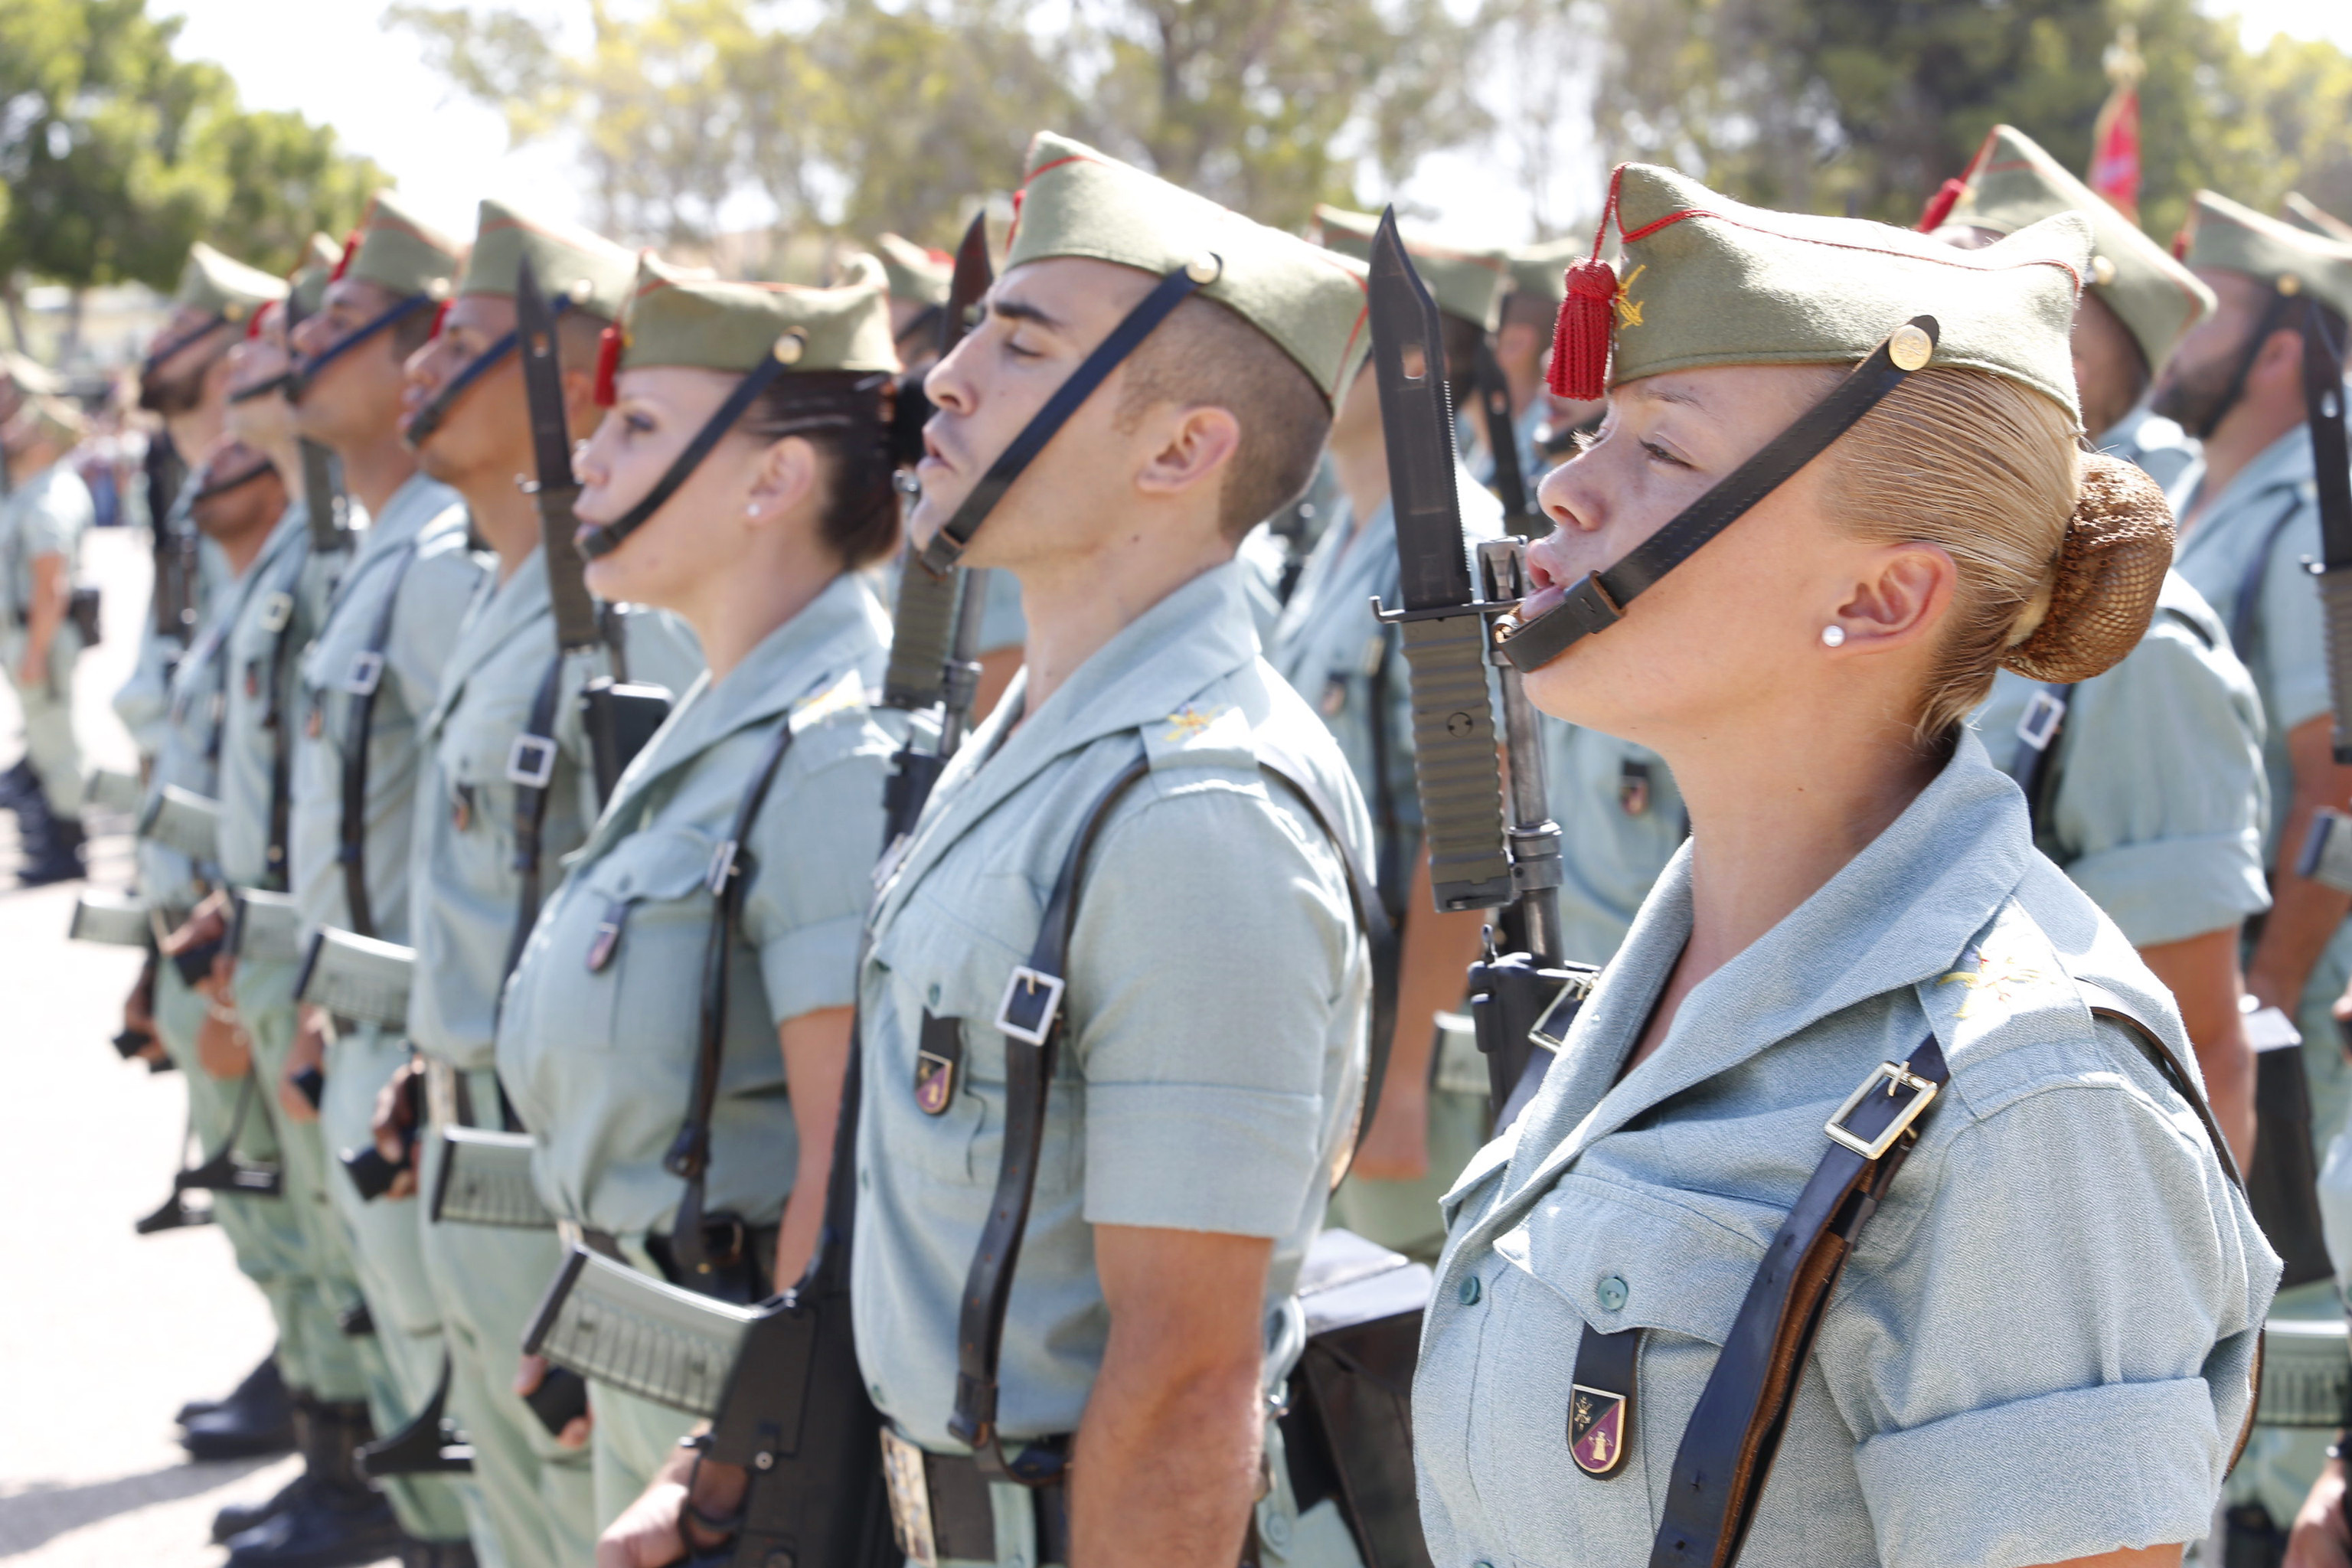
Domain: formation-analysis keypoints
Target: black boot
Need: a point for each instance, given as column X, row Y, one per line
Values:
column 257, row 1418
column 263, row 1382
column 17, row 783
column 336, row 1519
column 437, row 1554
column 236, row 1517
column 57, row 857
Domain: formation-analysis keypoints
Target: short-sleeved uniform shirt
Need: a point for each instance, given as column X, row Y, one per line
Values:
column 603, row 1022
column 2245, row 555
column 275, row 620
column 464, row 893
column 1211, row 1060
column 413, row 564
column 2041, row 1346
column 47, row 515
column 186, row 753
column 2155, row 798
column 1350, row 667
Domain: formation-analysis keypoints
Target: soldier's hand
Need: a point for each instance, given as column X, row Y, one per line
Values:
column 223, row 1047
column 208, row 924
column 2321, row 1538
column 1397, row 1149
column 529, row 1372
column 673, row 1517
column 312, row 1033
column 394, row 1127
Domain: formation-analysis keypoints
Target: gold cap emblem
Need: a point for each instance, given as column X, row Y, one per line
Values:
column 437, row 289
column 2102, row 271
column 1909, row 348
column 580, row 290
column 790, row 347
column 2290, row 285
column 1205, row 268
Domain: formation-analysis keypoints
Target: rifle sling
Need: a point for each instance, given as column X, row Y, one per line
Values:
column 2035, row 767
column 1494, row 393
column 2322, row 396
column 730, row 873
column 281, row 733
column 352, row 827
column 1598, row 599
column 531, row 813
column 1029, row 1072
column 1727, row 1447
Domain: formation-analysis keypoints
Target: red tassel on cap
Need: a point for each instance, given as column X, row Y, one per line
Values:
column 343, row 262
column 1939, row 205
column 608, row 367
column 440, row 314
column 2181, row 240
column 252, row 322
column 1579, row 339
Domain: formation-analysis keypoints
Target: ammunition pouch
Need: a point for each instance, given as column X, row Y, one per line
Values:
column 485, row 1179
column 183, row 820
column 110, row 919
column 358, row 977
column 110, row 789
column 2307, row 1374
column 267, row 927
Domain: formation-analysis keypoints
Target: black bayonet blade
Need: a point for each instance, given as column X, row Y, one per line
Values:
column 970, row 280
column 1409, row 358
column 551, row 441
column 1457, row 765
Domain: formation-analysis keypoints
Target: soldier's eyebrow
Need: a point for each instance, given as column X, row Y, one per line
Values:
column 1658, row 390
column 1024, row 310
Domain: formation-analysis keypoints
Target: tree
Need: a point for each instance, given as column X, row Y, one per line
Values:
column 115, row 156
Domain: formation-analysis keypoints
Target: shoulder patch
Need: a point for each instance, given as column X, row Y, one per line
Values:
column 1201, row 734
column 2011, row 969
column 841, row 697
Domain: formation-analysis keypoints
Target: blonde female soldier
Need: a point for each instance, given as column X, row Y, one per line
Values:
column 1860, row 1024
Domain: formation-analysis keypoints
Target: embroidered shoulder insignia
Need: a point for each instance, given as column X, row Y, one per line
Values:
column 849, row 691
column 2003, row 974
column 1188, row 721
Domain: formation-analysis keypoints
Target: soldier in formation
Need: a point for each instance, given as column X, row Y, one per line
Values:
column 524, row 921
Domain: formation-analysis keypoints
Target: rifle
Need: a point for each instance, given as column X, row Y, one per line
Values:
column 1493, row 390
column 935, row 635
column 323, row 500
column 620, row 716
column 1447, row 628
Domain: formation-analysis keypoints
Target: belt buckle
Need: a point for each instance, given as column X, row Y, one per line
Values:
column 440, row 1092
column 367, row 670
column 906, row 1471
column 1895, row 1075
column 1030, row 1000
column 276, row 610
column 2043, row 716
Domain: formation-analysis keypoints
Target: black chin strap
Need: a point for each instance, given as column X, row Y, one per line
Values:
column 282, row 382
column 307, row 371
column 427, row 419
column 1172, row 290
column 155, row 357
column 1599, row 600
column 2273, row 318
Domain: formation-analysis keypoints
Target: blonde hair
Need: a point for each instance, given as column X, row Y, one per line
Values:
column 1990, row 472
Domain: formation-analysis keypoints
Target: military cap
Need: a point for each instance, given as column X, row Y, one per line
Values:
column 398, row 252
column 1465, row 283
column 917, row 275
column 594, row 273
column 2306, row 214
column 2011, row 183
column 1079, row 202
column 321, row 256
column 2231, row 238
column 1706, row 280
column 679, row 316
column 1542, row 267
column 224, row 287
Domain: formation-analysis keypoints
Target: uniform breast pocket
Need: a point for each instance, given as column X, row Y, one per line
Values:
column 649, row 901
column 1606, row 1256
column 939, row 1084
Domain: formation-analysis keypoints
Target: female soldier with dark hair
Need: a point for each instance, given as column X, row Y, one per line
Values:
column 740, row 479
column 1857, row 997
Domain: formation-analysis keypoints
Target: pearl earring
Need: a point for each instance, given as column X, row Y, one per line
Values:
column 751, row 510
column 1833, row 636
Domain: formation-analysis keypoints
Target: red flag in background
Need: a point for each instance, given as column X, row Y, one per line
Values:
column 2115, row 136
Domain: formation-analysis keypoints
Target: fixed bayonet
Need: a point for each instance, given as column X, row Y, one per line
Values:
column 935, row 637
column 1446, row 625
column 1493, row 389
column 553, row 489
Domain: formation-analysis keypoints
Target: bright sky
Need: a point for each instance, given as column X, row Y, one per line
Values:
column 338, row 65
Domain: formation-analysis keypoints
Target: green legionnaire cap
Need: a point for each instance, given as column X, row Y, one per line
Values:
column 399, row 252
column 1706, row 280
column 1469, row 284
column 2011, row 183
column 319, row 259
column 224, row 287
column 590, row 271
column 1079, row 202
column 2306, row 214
column 2228, row 237
column 1542, row 269
column 681, row 316
column 916, row 274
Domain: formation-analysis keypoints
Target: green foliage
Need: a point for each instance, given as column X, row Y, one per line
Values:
column 115, row 156
column 1866, row 106
column 861, row 116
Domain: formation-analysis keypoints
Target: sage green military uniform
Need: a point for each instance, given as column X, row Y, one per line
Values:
column 2245, row 553
column 409, row 579
column 47, row 515
column 1221, row 1106
column 598, row 1040
column 2068, row 1357
column 226, row 288
column 1351, row 670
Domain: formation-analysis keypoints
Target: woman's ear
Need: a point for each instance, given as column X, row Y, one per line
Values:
column 1202, row 440
column 785, row 477
column 1900, row 599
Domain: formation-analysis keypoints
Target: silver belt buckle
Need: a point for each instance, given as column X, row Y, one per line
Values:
column 440, row 1092
column 903, row 1468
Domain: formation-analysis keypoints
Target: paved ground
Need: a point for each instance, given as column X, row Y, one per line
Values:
column 102, row 1333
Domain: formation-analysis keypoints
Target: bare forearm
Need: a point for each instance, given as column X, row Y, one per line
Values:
column 1433, row 974
column 2304, row 914
column 46, row 612
column 1164, row 1474
column 815, row 1048
column 2201, row 972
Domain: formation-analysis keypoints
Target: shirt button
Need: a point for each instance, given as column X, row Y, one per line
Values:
column 1471, row 1291
column 1612, row 1291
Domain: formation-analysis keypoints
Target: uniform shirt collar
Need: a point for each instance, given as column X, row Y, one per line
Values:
column 2285, row 461
column 1897, row 914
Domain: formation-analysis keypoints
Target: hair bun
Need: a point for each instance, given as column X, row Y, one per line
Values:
column 2109, row 570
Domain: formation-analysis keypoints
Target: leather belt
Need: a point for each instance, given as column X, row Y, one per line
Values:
column 742, row 1256
column 941, row 1505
